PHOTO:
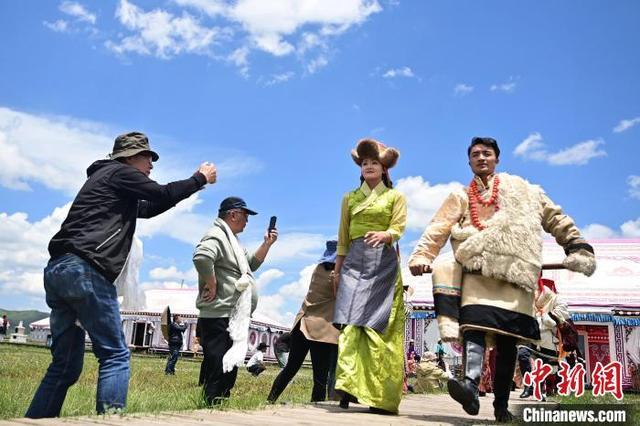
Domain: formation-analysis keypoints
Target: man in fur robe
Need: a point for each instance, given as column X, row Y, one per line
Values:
column 486, row 295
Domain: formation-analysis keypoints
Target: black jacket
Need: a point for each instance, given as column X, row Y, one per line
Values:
column 175, row 334
column 102, row 219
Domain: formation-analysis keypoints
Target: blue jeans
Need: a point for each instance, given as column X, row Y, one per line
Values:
column 77, row 292
column 174, row 353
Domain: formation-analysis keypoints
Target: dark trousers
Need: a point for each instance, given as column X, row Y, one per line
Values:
column 174, row 353
column 215, row 341
column 321, row 357
column 256, row 369
column 524, row 360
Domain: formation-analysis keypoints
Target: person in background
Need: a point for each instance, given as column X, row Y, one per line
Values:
column 255, row 365
column 551, row 311
column 282, row 348
column 4, row 326
column 486, row 384
column 87, row 255
column 314, row 332
column 176, row 329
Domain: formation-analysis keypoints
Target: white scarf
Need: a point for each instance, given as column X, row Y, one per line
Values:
column 241, row 314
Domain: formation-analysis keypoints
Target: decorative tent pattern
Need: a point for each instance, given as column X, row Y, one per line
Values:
column 142, row 328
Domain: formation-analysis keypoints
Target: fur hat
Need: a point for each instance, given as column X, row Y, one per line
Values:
column 371, row 148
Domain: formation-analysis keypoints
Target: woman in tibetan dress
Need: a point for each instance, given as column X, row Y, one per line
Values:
column 369, row 306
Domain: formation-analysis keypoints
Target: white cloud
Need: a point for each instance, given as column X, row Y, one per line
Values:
column 272, row 305
column 626, row 125
column 268, row 276
column 180, row 223
column 212, row 8
column 629, row 229
column 78, row 11
column 597, row 231
column 59, row 26
column 277, row 27
column 279, row 78
column 507, row 87
column 55, row 151
column 532, row 148
column 399, row 72
column 423, row 199
column 160, row 33
column 315, row 64
column 578, row 154
column 23, row 283
column 310, row 41
column 173, row 274
column 277, row 19
column 294, row 245
column 462, row 89
column 52, row 151
column 634, row 186
column 238, row 166
column 239, row 58
column 23, row 250
column 151, row 285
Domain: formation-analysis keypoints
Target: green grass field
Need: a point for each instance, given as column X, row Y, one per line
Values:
column 22, row 368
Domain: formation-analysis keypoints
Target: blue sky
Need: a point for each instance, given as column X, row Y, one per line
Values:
column 277, row 93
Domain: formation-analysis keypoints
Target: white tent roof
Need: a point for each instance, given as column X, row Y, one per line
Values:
column 615, row 284
column 43, row 323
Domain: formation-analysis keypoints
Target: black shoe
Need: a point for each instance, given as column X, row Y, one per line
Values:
column 465, row 394
column 381, row 411
column 502, row 415
column 346, row 398
column 526, row 393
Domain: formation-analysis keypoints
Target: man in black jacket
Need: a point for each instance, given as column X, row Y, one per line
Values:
column 176, row 329
column 87, row 255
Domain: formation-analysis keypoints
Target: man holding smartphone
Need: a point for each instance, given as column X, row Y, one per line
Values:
column 227, row 295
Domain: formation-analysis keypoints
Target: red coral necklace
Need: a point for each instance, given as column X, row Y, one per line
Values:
column 475, row 199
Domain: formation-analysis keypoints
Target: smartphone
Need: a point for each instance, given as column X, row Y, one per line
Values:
column 272, row 223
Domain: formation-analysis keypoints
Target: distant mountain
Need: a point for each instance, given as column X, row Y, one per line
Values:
column 27, row 317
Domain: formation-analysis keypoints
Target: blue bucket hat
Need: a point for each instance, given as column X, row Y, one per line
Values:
column 329, row 255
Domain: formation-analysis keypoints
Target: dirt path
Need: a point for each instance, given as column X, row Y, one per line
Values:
column 414, row 410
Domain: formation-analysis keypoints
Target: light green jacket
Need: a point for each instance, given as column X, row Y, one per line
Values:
column 214, row 255
column 364, row 210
